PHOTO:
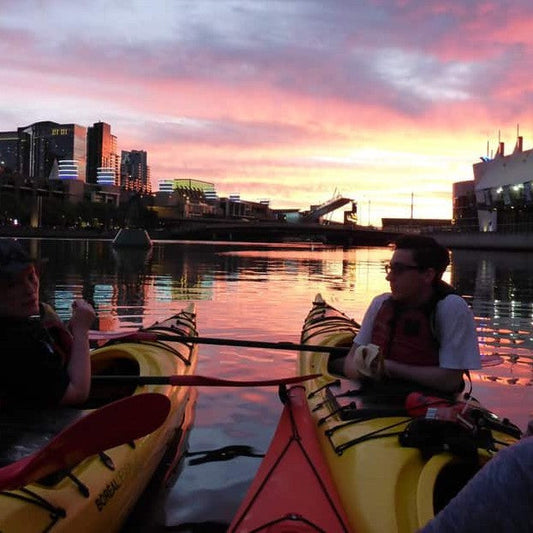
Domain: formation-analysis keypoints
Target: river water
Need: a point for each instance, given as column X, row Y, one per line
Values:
column 263, row 292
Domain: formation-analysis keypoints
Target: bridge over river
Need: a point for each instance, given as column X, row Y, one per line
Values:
column 264, row 231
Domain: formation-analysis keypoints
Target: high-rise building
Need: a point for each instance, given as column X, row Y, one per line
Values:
column 43, row 146
column 48, row 150
column 134, row 171
column 9, row 151
column 102, row 154
column 115, row 159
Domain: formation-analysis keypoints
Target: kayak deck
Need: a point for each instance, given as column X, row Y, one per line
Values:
column 279, row 499
column 98, row 494
column 387, row 480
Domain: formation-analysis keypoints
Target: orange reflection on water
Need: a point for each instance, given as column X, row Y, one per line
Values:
column 507, row 388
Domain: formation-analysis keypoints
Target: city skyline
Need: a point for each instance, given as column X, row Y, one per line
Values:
column 49, row 150
column 382, row 101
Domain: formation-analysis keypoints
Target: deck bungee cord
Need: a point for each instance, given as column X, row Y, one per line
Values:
column 476, row 429
column 91, row 483
column 156, row 335
column 55, row 513
column 371, row 453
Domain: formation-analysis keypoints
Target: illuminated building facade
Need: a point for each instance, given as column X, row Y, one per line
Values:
column 106, row 176
column 185, row 198
column 500, row 198
column 134, row 171
column 44, row 143
column 166, row 186
column 67, row 169
column 9, row 150
column 103, row 161
column 35, row 151
column 198, row 185
column 206, row 189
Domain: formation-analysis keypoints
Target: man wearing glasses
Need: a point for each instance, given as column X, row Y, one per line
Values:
column 421, row 331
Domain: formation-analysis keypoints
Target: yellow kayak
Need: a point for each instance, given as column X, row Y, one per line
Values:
column 394, row 467
column 98, row 493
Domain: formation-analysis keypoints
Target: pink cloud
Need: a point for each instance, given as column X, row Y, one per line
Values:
column 284, row 102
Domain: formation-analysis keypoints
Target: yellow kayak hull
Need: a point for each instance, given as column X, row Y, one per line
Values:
column 102, row 491
column 384, row 486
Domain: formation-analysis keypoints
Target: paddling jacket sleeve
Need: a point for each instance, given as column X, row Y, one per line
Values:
column 60, row 336
column 497, row 498
column 33, row 369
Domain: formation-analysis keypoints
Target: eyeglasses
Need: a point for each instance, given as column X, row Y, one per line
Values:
column 399, row 268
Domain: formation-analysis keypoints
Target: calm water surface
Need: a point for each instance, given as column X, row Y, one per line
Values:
column 264, row 293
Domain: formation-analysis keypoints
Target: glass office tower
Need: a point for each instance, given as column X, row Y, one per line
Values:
column 102, row 153
column 43, row 143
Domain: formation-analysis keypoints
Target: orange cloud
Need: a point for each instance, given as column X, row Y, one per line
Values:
column 379, row 101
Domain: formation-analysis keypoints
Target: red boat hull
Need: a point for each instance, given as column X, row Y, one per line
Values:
column 292, row 491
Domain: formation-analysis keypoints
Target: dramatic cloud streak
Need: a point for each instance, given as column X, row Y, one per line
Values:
column 291, row 100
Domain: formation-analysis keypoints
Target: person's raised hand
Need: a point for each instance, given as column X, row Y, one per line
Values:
column 83, row 316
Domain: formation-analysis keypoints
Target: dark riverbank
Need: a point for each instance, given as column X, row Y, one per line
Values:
column 55, row 233
column 274, row 233
column 333, row 234
column 485, row 240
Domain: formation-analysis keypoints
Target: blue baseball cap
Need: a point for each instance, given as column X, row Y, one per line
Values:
column 14, row 258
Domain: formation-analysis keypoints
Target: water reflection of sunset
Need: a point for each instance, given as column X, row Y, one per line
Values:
column 513, row 370
column 265, row 294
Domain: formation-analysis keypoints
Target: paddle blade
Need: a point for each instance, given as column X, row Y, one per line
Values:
column 114, row 424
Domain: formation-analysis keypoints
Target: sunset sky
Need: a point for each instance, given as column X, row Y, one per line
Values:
column 290, row 100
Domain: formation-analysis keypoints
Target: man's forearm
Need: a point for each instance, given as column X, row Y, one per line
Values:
column 444, row 379
column 338, row 365
column 79, row 370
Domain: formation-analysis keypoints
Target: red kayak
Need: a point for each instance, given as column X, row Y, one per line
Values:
column 292, row 491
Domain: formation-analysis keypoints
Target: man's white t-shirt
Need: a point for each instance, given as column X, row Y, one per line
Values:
column 455, row 329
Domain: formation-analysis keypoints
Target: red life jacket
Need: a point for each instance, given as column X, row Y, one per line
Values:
column 406, row 334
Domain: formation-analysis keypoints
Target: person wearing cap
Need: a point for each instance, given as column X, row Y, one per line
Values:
column 420, row 332
column 42, row 361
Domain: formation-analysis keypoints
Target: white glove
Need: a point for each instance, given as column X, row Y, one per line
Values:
column 366, row 361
